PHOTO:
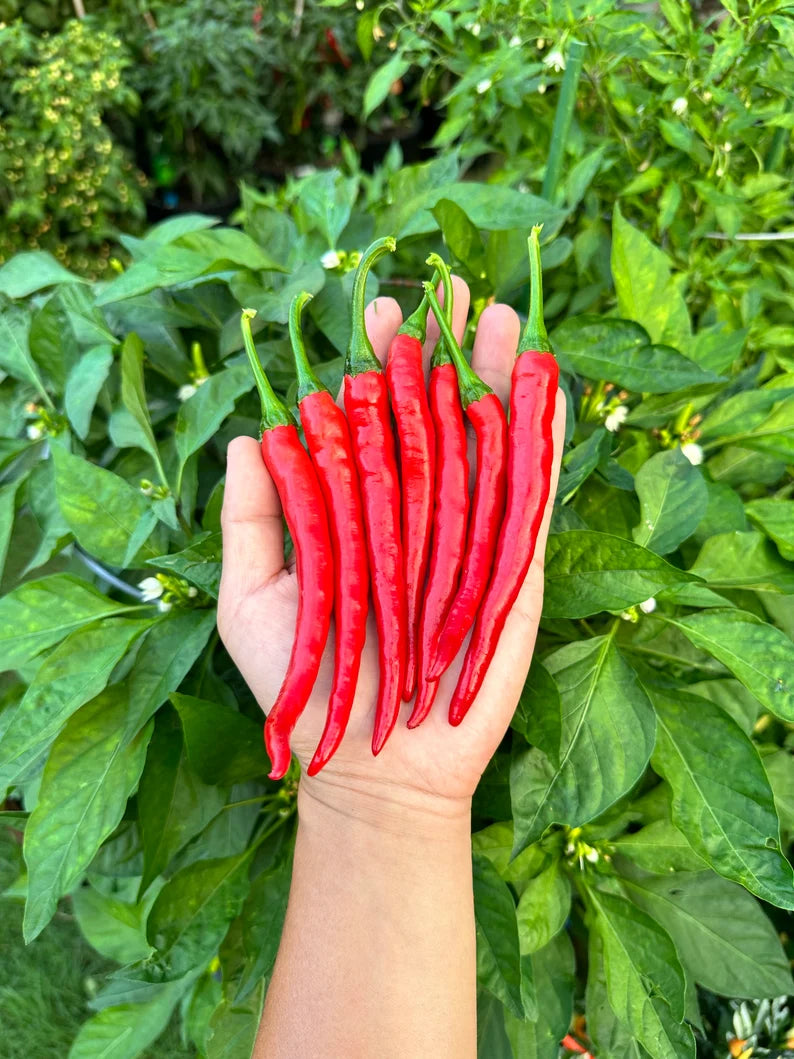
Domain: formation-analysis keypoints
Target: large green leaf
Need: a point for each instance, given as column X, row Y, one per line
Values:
column 660, row 847
column 15, row 355
column 43, row 507
column 609, row 1035
column 174, row 804
column 381, row 81
column 645, row 980
column 645, row 289
column 587, row 572
column 776, row 519
column 262, row 922
column 75, row 671
column 90, row 774
column 193, row 910
column 26, row 273
column 619, row 351
column 758, row 654
column 673, row 500
column 543, row 907
column 126, row 1030
column 109, row 518
column 498, row 955
column 602, row 701
column 725, row 941
column 722, row 801
column 553, row 972
column 133, row 392
column 111, row 926
column 237, row 757
column 199, row 563
column 234, row 1026
column 202, row 414
column 743, row 560
column 40, row 613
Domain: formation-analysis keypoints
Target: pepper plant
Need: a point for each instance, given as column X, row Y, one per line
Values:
column 631, row 833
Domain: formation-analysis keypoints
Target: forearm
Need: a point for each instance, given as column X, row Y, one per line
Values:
column 378, row 953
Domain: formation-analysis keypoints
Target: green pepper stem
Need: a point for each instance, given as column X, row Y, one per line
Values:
column 274, row 412
column 360, row 354
column 307, row 380
column 441, row 354
column 535, row 336
column 471, row 386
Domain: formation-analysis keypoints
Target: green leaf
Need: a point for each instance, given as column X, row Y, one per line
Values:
column 202, row 414
column 111, row 926
column 716, row 348
column 587, row 572
column 52, row 344
column 489, row 207
column 498, row 956
column 174, row 804
column 673, row 500
column 492, row 1042
column 722, row 801
column 645, row 289
column 124, row 1031
column 262, row 922
column 199, row 563
column 26, row 273
column 325, row 202
column 743, row 560
column 75, row 671
column 543, row 908
column 610, row 1036
column 462, row 238
column 538, row 715
column 758, row 654
column 223, row 246
column 193, row 910
column 742, row 413
column 40, row 613
column 237, row 757
column 553, row 970
column 580, row 462
column 109, row 518
column 381, row 81
column 15, row 355
column 645, row 980
column 725, row 941
column 776, row 519
column 177, row 642
column 8, row 498
column 779, row 767
column 90, row 774
column 83, row 384
column 133, row 393
column 602, row 700
column 234, row 1026
column 660, row 847
column 620, row 351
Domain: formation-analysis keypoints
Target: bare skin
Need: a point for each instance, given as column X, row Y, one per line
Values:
column 378, row 953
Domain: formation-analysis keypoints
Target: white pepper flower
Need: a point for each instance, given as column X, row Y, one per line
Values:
column 555, row 60
column 330, row 259
column 648, row 606
column 151, row 589
column 616, row 418
column 164, row 607
column 679, row 106
column 192, row 592
column 184, row 393
column 34, row 432
column 514, row 42
column 484, row 85
column 693, row 453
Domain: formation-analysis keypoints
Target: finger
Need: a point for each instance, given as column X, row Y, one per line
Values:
column 495, row 346
column 461, row 298
column 253, row 534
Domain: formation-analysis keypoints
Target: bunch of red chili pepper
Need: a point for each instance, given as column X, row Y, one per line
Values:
column 376, row 511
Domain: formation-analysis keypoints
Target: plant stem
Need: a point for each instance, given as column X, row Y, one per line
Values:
column 562, row 118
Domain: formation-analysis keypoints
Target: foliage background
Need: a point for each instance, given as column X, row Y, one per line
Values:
column 646, row 787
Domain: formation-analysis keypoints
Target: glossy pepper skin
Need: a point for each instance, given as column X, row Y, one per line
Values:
column 530, row 456
column 450, row 508
column 331, row 449
column 405, row 378
column 304, row 509
column 367, row 406
column 484, row 411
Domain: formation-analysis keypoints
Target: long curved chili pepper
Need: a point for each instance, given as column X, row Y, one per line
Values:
column 367, row 407
column 302, row 500
column 331, row 449
column 485, row 413
column 450, row 509
column 530, row 454
column 405, row 378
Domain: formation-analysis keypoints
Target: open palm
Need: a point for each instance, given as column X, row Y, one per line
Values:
column 259, row 600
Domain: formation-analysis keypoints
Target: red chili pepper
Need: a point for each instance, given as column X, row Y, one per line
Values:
column 302, row 500
column 451, row 506
column 333, row 44
column 530, row 455
column 486, row 415
column 405, row 377
column 331, row 449
column 367, row 407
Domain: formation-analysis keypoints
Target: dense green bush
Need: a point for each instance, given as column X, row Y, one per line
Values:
column 66, row 182
column 646, row 782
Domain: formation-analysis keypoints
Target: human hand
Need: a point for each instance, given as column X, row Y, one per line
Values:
column 435, row 765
